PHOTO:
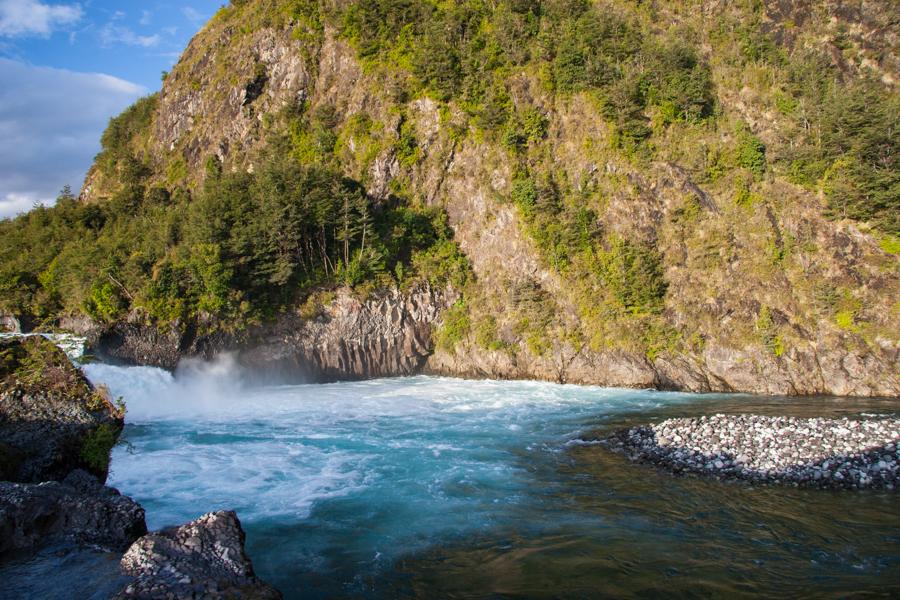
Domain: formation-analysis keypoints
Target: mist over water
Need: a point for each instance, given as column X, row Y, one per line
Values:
column 432, row 487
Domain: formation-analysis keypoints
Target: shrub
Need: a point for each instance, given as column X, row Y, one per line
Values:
column 96, row 447
column 454, row 327
column 633, row 273
column 751, row 152
column 768, row 332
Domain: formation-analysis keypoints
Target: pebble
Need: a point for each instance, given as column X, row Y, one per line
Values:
column 818, row 452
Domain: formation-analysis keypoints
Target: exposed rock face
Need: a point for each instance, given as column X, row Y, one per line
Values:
column 823, row 453
column 718, row 369
column 387, row 334
column 826, row 284
column 10, row 323
column 78, row 509
column 52, row 420
column 202, row 559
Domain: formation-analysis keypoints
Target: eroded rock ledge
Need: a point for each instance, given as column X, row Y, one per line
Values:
column 79, row 509
column 821, row 453
column 387, row 334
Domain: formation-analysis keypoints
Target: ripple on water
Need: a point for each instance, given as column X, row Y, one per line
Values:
column 431, row 487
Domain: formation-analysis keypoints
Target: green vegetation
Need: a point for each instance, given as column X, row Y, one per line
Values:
column 633, row 273
column 245, row 246
column 454, row 328
column 96, row 447
column 768, row 333
column 850, row 141
column 590, row 112
column 35, row 361
column 119, row 139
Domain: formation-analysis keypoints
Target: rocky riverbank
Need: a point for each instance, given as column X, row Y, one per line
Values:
column 820, row 453
column 56, row 432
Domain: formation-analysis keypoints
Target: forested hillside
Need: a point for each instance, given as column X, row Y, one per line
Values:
column 699, row 195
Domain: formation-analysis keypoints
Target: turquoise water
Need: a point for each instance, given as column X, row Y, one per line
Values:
column 440, row 488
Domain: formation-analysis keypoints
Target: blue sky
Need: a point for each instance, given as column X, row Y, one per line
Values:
column 66, row 68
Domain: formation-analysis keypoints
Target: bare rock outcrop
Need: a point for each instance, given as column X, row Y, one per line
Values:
column 201, row 559
column 78, row 509
column 52, row 420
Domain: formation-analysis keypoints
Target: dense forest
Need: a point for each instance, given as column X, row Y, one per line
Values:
column 241, row 244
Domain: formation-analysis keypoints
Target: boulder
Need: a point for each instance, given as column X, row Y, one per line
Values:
column 201, row 559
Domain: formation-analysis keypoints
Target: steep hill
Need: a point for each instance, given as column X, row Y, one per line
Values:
column 691, row 195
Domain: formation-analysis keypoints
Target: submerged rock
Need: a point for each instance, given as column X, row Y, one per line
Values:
column 201, row 559
column 819, row 452
column 52, row 420
column 78, row 509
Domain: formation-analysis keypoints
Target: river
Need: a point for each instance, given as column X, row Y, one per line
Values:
column 431, row 487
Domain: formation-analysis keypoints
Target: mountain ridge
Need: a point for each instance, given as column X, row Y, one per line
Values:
column 616, row 194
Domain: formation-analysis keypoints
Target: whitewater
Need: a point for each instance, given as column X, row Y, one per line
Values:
column 434, row 487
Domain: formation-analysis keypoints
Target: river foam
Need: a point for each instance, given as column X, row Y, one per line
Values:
column 343, row 486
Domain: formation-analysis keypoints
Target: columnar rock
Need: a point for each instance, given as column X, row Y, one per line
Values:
column 201, row 559
column 388, row 334
column 52, row 420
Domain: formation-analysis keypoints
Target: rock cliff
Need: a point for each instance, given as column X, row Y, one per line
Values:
column 688, row 216
column 52, row 420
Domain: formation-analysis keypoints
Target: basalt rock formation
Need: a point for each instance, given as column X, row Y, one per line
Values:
column 52, row 420
column 387, row 334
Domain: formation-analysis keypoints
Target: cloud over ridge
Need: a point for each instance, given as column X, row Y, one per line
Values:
column 51, row 121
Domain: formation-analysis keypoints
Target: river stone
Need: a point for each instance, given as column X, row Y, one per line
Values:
column 818, row 452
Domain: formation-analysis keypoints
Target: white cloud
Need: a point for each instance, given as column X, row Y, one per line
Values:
column 32, row 17
column 50, row 124
column 193, row 15
column 115, row 34
column 14, row 204
column 146, row 17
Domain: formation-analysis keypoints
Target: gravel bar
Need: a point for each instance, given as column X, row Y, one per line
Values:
column 820, row 453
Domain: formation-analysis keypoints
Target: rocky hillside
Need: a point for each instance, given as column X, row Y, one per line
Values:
column 678, row 195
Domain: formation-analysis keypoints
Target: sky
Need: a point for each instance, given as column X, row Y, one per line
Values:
column 65, row 69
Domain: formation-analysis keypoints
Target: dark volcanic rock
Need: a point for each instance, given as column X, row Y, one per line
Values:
column 52, row 420
column 822, row 453
column 387, row 334
column 78, row 509
column 201, row 559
